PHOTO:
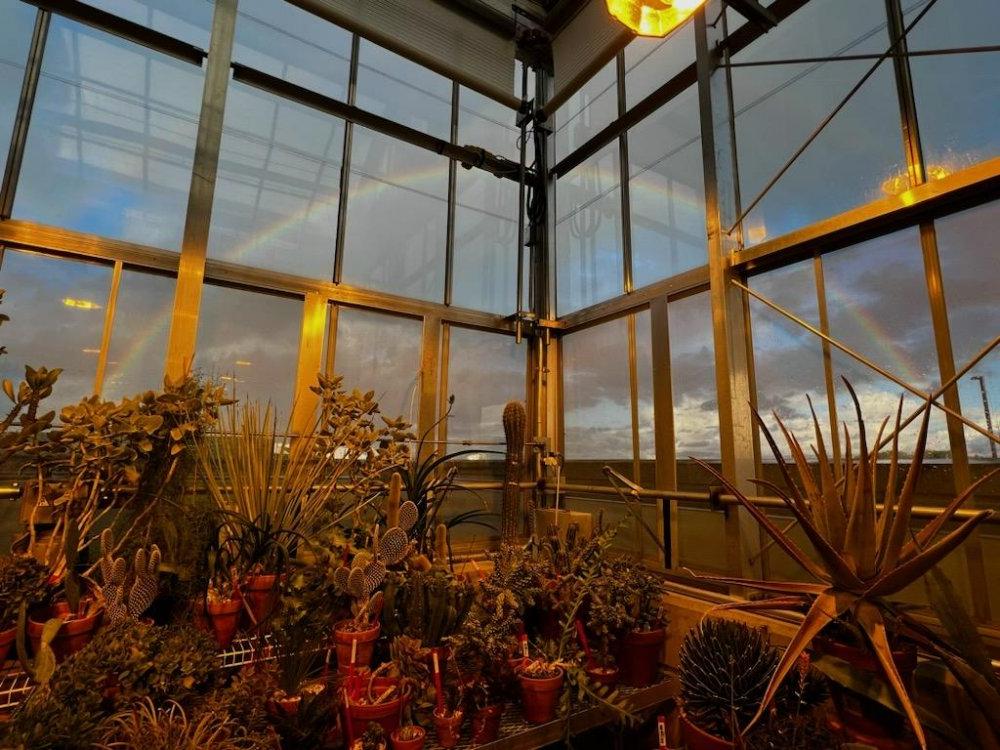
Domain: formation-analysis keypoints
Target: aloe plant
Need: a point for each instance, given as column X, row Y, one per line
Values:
column 866, row 555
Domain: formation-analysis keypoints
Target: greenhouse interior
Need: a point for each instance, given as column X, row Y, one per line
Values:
column 401, row 374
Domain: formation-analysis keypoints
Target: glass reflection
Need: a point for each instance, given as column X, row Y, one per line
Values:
column 15, row 39
column 593, row 106
column 187, row 20
column 488, row 124
column 651, row 62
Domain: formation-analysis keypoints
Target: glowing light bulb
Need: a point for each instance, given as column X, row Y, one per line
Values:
column 653, row 17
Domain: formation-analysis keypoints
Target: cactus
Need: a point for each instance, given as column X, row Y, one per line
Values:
column 115, row 575
column 427, row 606
column 515, row 423
column 441, row 546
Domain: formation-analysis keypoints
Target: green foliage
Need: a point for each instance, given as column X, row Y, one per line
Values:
column 513, row 585
column 428, row 606
column 372, row 739
column 22, row 579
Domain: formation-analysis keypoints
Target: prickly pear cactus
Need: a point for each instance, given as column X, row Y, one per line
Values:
column 515, row 425
column 122, row 602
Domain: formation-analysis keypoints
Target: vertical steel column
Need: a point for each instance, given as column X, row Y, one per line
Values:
column 345, row 165
column 978, row 590
column 663, row 426
column 430, row 359
column 728, row 306
column 449, row 252
column 442, row 383
column 331, row 339
column 22, row 119
column 194, row 246
column 310, row 362
column 623, row 165
column 828, row 375
column 109, row 324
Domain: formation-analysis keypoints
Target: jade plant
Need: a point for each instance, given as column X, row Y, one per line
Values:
column 864, row 555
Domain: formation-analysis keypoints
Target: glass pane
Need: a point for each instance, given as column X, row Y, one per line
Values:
column 112, row 138
column 394, row 87
column 692, row 368
column 15, row 39
column 886, row 318
column 485, row 371
column 958, row 96
column 588, row 110
column 278, row 186
column 250, row 342
column 187, row 20
column 597, row 405
column 589, row 232
column 56, row 310
column 778, row 106
column 397, row 217
column 667, row 192
column 137, row 353
column 651, row 62
column 488, row 124
column 485, row 273
column 293, row 44
column 967, row 247
column 381, row 353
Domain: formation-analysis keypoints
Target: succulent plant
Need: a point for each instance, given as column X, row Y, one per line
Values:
column 428, row 606
column 122, row 601
column 515, row 426
column 863, row 555
column 23, row 579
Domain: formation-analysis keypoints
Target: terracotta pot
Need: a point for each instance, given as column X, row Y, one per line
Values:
column 862, row 720
column 696, row 738
column 7, row 638
column 486, row 723
column 639, row 657
column 199, row 617
column 262, row 593
column 225, row 616
column 366, row 645
column 540, row 697
column 604, row 676
column 75, row 633
column 387, row 714
column 416, row 743
column 448, row 727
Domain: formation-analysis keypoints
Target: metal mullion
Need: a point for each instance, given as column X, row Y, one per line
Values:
column 333, row 317
column 623, row 179
column 633, row 387
column 310, row 362
column 194, row 246
column 904, row 90
column 109, row 322
column 444, row 360
column 345, row 165
column 449, row 254
column 109, row 23
column 22, row 119
column 828, row 376
column 663, row 427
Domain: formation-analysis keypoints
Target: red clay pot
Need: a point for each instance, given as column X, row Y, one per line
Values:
column 604, row 676
column 7, row 638
column 366, row 645
column 225, row 616
column 387, row 714
column 448, row 727
column 862, row 720
column 417, row 743
column 639, row 658
column 540, row 697
column 75, row 633
column 261, row 593
column 696, row 738
column 486, row 723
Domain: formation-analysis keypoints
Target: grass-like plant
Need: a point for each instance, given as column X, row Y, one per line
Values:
column 866, row 555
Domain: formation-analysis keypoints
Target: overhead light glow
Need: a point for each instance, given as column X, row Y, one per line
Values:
column 899, row 183
column 91, row 351
column 243, row 363
column 653, row 17
column 80, row 304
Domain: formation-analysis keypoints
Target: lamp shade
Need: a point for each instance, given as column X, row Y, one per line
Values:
column 653, row 17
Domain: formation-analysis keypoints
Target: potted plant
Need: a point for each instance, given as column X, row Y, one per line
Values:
column 409, row 737
column 448, row 718
column 23, row 584
column 863, row 555
column 377, row 699
column 641, row 647
column 725, row 667
column 373, row 738
column 541, row 685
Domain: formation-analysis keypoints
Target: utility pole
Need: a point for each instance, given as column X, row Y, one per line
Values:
column 986, row 411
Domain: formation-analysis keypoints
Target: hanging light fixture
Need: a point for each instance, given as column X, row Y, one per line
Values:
column 653, row 17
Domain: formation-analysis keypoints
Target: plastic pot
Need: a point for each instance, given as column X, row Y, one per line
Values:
column 696, row 738
column 416, row 743
column 639, row 658
column 344, row 638
column 863, row 720
column 486, row 723
column 540, row 697
column 448, row 727
column 604, row 676
column 261, row 593
column 7, row 638
column 75, row 633
column 388, row 714
column 225, row 616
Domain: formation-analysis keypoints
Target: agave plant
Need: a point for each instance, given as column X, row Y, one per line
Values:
column 866, row 554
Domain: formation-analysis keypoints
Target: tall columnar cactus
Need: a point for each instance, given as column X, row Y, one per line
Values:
column 121, row 601
column 515, row 425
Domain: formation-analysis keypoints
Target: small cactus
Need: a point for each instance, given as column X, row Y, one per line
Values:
column 114, row 572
